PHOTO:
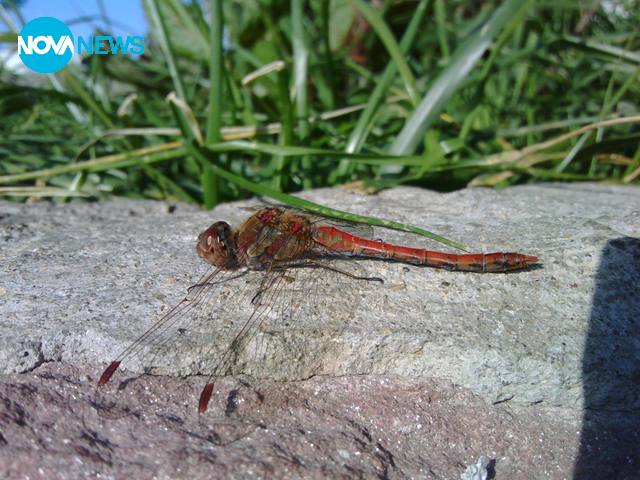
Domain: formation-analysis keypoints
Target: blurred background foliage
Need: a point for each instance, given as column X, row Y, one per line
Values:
column 276, row 96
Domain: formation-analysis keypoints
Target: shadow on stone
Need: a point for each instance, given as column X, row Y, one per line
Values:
column 610, row 438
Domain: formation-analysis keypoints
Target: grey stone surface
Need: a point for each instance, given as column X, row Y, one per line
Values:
column 559, row 343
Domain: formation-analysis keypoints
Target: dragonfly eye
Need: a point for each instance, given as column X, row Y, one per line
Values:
column 215, row 245
column 223, row 233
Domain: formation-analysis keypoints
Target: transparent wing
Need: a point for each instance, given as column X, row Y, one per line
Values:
column 160, row 344
column 298, row 313
column 263, row 323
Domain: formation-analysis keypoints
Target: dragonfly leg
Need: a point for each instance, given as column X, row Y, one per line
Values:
column 313, row 264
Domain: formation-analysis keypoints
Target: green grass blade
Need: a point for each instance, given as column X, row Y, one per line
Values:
column 159, row 29
column 389, row 41
column 328, row 54
column 6, row 18
column 189, row 24
column 280, row 179
column 605, row 111
column 166, row 183
column 8, row 37
column 20, row 191
column 206, row 178
column 214, row 117
column 441, row 27
column 297, row 151
column 359, row 133
column 79, row 90
column 300, row 64
column 365, row 123
column 452, row 77
column 595, row 47
column 147, row 155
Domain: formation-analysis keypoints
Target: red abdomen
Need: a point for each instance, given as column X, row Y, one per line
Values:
column 335, row 240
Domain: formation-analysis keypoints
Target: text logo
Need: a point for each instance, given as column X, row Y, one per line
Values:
column 46, row 45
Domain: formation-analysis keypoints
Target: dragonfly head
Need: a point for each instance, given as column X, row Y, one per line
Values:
column 216, row 246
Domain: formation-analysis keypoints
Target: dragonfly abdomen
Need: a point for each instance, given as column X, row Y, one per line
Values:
column 336, row 240
column 479, row 262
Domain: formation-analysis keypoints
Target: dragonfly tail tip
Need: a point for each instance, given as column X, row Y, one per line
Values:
column 530, row 259
column 205, row 396
column 108, row 373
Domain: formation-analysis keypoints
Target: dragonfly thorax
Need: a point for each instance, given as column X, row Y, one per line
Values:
column 217, row 246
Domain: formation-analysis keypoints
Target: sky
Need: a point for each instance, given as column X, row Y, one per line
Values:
column 127, row 15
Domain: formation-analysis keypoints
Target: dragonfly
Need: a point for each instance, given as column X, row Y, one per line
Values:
column 290, row 256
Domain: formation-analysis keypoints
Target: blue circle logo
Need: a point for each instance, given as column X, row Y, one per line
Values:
column 45, row 45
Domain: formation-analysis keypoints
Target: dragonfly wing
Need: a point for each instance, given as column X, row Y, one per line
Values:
column 298, row 316
column 170, row 344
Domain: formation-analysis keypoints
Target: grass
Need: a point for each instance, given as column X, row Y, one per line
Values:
column 273, row 97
